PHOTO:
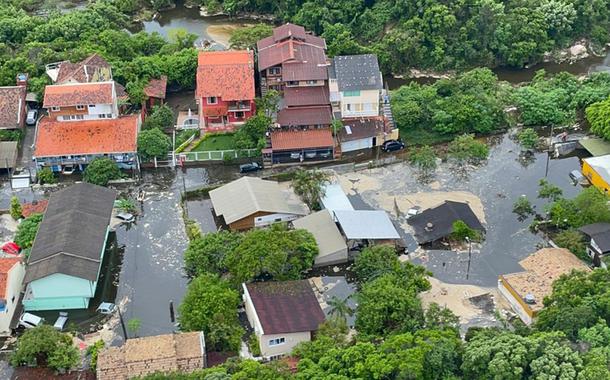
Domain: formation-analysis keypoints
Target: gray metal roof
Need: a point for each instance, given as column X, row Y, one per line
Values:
column 366, row 224
column 335, row 199
column 8, row 154
column 601, row 165
column 327, row 235
column 248, row 195
column 358, row 72
column 72, row 233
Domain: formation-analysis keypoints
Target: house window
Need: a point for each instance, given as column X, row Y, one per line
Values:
column 351, row 93
column 312, row 82
column 239, row 115
column 276, row 357
column 276, row 341
column 91, row 105
column 293, row 83
column 348, row 107
column 274, row 71
column 55, row 109
column 212, row 100
column 80, row 107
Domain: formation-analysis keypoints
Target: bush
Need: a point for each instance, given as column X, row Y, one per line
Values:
column 466, row 149
column 46, row 343
column 46, row 176
column 153, row 143
column 255, row 348
column 461, row 231
column 93, row 351
column 15, row 208
column 101, row 171
column 523, row 207
column 573, row 241
column 26, row 232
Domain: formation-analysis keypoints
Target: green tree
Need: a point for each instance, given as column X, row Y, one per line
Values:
column 133, row 325
column 573, row 241
column 461, row 232
column 528, row 138
column 466, row 149
column 181, row 38
column 45, row 344
column 93, row 351
column 46, row 176
column 268, row 105
column 424, row 159
column 310, row 186
column 26, row 231
column 161, row 117
column 598, row 116
column 210, row 305
column 208, row 253
column 375, row 261
column 101, row 170
column 549, row 191
column 153, row 143
column 246, row 38
column 590, row 206
column 339, row 308
column 523, row 207
column 15, row 208
column 251, row 135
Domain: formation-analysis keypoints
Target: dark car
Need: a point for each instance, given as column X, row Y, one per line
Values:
column 249, row 167
column 392, row 145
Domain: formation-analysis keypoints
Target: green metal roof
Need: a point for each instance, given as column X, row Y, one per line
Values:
column 596, row 146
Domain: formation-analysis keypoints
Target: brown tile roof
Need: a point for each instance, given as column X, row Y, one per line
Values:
column 156, row 88
column 36, row 207
column 286, row 306
column 316, row 115
column 360, row 128
column 12, row 106
column 305, row 139
column 226, row 74
column 307, row 49
column 57, row 138
column 121, row 93
column 541, row 270
column 92, row 69
column 215, row 111
column 288, row 30
column 66, row 95
column 143, row 356
column 306, row 96
column 6, row 264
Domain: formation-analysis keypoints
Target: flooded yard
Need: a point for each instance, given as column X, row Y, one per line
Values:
column 490, row 189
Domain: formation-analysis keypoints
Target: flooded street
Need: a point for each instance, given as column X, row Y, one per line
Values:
column 498, row 183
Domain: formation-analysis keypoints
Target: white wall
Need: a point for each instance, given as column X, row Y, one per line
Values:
column 515, row 305
column 291, row 340
column 369, row 100
column 13, row 288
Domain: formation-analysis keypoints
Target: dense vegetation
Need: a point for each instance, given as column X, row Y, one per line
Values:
column 45, row 345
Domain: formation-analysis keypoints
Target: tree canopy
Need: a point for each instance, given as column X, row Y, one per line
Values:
column 101, row 171
column 26, row 231
column 44, row 345
column 153, row 143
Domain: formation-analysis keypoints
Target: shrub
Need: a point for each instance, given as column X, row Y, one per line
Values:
column 26, row 232
column 93, row 351
column 15, row 208
column 46, row 176
column 101, row 171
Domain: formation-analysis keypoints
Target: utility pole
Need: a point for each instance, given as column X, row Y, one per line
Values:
column 122, row 323
column 186, row 205
column 469, row 256
column 548, row 153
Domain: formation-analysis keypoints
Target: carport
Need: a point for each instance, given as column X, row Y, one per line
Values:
column 366, row 227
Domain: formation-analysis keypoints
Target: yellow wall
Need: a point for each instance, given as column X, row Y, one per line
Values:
column 595, row 179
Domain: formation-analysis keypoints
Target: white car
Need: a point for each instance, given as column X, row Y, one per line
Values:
column 29, row 321
column 32, row 117
column 106, row 308
column 60, row 323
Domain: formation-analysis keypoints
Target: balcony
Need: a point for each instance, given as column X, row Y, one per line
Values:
column 239, row 106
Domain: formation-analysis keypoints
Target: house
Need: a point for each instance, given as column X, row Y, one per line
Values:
column 297, row 146
column 598, row 235
column 73, row 145
column 225, row 89
column 64, row 264
column 81, row 101
column 597, row 170
column 92, row 69
column 8, row 155
column 525, row 291
column 331, row 245
column 366, row 227
column 154, row 93
column 291, row 57
column 12, row 271
column 13, row 107
column 355, row 84
column 437, row 222
column 253, row 202
column 282, row 314
column 365, row 133
column 184, row 352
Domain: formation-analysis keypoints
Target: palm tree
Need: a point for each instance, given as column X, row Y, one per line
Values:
column 340, row 308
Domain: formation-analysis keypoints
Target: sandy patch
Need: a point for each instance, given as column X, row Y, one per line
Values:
column 221, row 33
column 353, row 183
column 455, row 298
column 7, row 221
column 429, row 199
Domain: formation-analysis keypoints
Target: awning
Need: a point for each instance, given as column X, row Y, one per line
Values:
column 595, row 146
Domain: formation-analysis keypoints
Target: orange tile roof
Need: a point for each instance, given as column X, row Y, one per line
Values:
column 39, row 207
column 57, row 138
column 6, row 264
column 305, row 139
column 226, row 74
column 156, row 88
column 66, row 95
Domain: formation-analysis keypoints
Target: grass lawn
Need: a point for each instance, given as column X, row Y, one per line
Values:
column 216, row 142
column 422, row 136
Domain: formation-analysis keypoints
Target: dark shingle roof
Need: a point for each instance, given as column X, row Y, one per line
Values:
column 441, row 219
column 286, row 307
column 600, row 232
column 72, row 233
column 358, row 72
column 306, row 96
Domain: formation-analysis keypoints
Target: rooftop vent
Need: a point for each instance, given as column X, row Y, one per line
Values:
column 429, row 226
column 530, row 299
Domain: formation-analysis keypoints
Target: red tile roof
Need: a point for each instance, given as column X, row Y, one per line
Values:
column 286, row 306
column 226, row 74
column 12, row 105
column 319, row 115
column 6, row 264
column 156, row 88
column 305, row 139
column 66, row 95
column 39, row 207
column 306, row 96
column 92, row 69
column 215, row 111
column 57, row 138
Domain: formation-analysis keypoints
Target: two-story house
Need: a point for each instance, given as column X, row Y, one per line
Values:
column 13, row 107
column 81, row 101
column 225, row 89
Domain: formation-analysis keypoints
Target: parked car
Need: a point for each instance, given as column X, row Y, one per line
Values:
column 578, row 178
column 106, row 308
column 249, row 167
column 125, row 217
column 29, row 321
column 61, row 321
column 392, row 145
column 32, row 117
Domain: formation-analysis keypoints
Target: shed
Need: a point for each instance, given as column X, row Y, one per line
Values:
column 331, row 244
column 437, row 222
column 597, row 170
column 8, row 154
column 366, row 225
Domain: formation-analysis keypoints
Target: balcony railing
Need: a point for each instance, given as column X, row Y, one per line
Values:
column 239, row 106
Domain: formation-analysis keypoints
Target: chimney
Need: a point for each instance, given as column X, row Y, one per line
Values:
column 22, row 80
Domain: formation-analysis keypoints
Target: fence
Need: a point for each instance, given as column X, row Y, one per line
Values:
column 353, row 166
column 218, row 155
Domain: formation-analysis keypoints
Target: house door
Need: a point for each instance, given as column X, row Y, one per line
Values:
column 374, row 141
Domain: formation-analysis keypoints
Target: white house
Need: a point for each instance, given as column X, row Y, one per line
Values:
column 282, row 314
column 12, row 271
column 81, row 101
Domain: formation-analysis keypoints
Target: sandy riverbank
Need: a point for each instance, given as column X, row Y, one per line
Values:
column 222, row 33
